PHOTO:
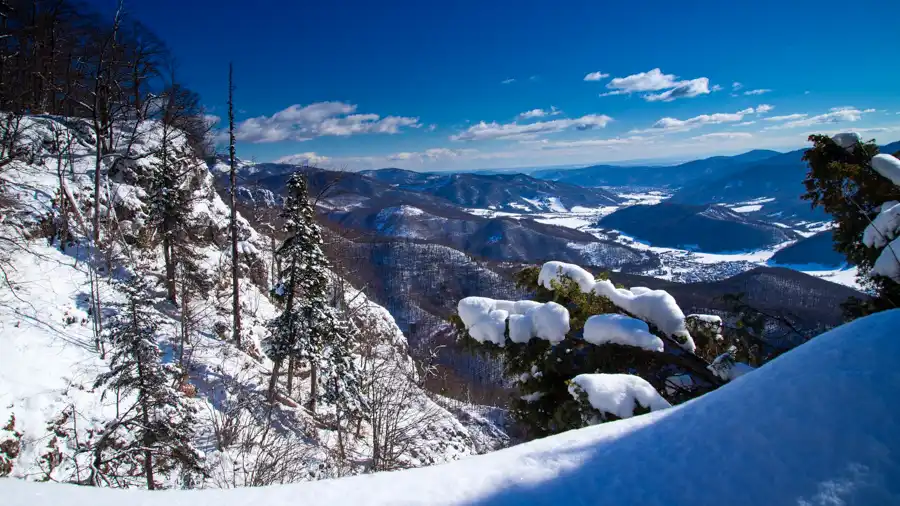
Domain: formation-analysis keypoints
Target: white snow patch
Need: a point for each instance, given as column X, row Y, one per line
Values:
column 747, row 209
column 888, row 166
column 618, row 394
column 656, row 307
column 620, row 329
column 486, row 319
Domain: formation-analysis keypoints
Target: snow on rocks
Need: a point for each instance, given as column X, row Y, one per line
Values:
column 656, row 307
column 617, row 394
column 846, row 140
column 485, row 319
column 620, row 329
column 888, row 166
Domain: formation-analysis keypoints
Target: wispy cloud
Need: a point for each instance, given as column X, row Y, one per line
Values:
column 508, row 81
column 745, row 123
column 835, row 115
column 585, row 143
column 722, row 136
column 321, row 119
column 786, row 117
column 668, row 85
column 595, row 76
column 764, row 108
column 308, row 158
column 736, row 86
column 538, row 113
column 432, row 154
column 757, row 92
column 678, row 125
column 515, row 130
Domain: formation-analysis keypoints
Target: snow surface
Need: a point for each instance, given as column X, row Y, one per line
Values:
column 485, row 319
column 620, row 329
column 816, row 426
column 888, row 166
column 618, row 394
column 884, row 227
column 656, row 307
column 747, row 209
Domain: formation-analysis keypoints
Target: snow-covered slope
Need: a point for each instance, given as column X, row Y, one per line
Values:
column 816, row 426
column 49, row 362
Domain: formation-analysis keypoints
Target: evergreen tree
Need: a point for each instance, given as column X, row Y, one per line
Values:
column 309, row 329
column 153, row 435
column 543, row 371
column 842, row 182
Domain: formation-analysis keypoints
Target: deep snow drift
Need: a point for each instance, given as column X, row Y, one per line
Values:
column 817, row 425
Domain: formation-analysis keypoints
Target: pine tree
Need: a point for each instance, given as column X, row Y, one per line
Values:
column 153, row 435
column 309, row 329
column 842, row 182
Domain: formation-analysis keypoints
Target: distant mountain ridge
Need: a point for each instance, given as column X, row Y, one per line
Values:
column 653, row 176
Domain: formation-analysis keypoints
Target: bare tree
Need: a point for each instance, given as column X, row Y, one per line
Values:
column 235, row 288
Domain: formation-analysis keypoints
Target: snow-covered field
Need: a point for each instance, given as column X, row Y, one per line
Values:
column 816, row 426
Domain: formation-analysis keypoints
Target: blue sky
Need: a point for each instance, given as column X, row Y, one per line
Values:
column 474, row 84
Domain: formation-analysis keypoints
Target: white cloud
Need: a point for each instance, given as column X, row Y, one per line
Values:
column 764, row 108
column 301, row 123
column 835, row 115
column 514, row 130
column 595, row 76
column 655, row 80
column 585, row 143
column 678, row 125
column 736, row 86
column 757, row 92
column 432, row 154
column 685, row 89
column 508, row 81
column 308, row 158
column 538, row 113
column 722, row 136
column 786, row 117
column 432, row 127
column 716, row 87
column 745, row 123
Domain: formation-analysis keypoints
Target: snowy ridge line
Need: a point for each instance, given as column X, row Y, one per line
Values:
column 777, row 426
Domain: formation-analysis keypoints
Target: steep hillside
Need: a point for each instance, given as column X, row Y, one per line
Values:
column 695, row 227
column 817, row 249
column 655, row 176
column 51, row 358
column 776, row 426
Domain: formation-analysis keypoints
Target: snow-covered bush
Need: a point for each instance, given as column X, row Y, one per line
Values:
column 578, row 325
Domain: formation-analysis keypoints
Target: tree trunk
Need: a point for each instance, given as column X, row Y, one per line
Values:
column 170, row 265
column 313, row 382
column 290, row 375
column 236, row 302
column 273, row 381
